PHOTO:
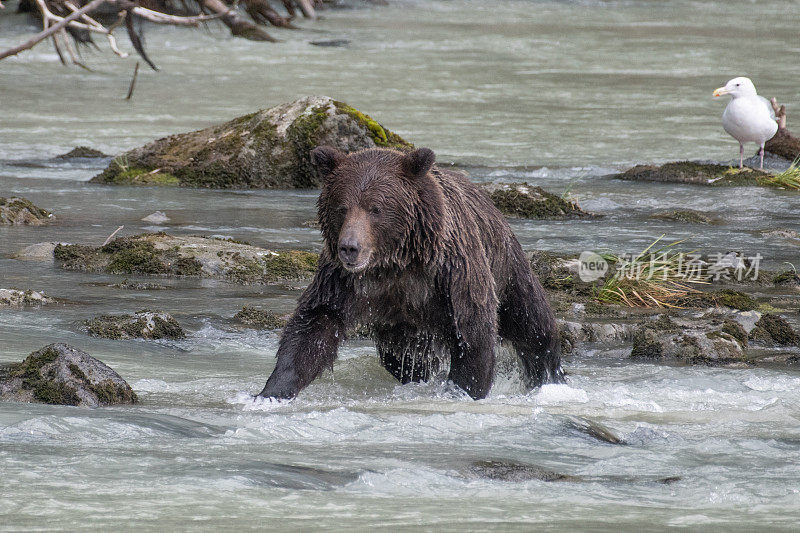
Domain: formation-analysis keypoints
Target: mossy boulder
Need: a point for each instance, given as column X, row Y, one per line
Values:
column 169, row 255
column 694, row 173
column 62, row 375
column 691, row 341
column 266, row 149
column 522, row 200
column 141, row 325
column 774, row 330
column 574, row 335
column 725, row 297
column 511, row 471
column 19, row 298
column 260, row 318
column 16, row 211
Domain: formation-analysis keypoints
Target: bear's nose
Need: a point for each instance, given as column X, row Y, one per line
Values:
column 348, row 250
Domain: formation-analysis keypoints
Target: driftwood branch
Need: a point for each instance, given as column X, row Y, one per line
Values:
column 51, row 30
column 133, row 81
column 238, row 26
column 780, row 113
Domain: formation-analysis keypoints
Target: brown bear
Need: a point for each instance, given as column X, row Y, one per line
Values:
column 423, row 260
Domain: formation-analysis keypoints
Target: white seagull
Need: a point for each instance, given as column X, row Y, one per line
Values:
column 748, row 117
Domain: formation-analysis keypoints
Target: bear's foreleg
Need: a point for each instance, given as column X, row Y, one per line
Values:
column 309, row 344
column 526, row 320
column 470, row 293
column 472, row 353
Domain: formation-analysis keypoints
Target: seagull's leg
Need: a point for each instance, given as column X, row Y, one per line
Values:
column 741, row 156
column 762, row 157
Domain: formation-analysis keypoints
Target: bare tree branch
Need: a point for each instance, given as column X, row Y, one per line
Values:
column 49, row 31
column 63, row 17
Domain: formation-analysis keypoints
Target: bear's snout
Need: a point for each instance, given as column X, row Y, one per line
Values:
column 354, row 245
column 348, row 250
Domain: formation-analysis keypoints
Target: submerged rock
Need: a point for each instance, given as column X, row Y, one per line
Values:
column 688, row 216
column 593, row 429
column 260, row 318
column 128, row 285
column 511, row 471
column 333, row 43
column 528, row 201
column 19, row 211
column 696, row 173
column 82, row 152
column 142, row 325
column 62, row 375
column 19, row 298
column 266, row 149
column 159, row 253
column 782, row 233
column 156, row 218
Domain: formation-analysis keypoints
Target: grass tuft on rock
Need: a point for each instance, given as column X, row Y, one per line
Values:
column 653, row 278
column 788, row 179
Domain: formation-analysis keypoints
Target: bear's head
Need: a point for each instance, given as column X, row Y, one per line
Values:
column 378, row 208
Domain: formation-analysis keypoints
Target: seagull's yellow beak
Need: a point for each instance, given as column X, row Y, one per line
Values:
column 720, row 91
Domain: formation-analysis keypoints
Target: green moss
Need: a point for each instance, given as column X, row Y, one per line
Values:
column 727, row 297
column 78, row 257
column 380, row 136
column 647, row 344
column 535, row 203
column 135, row 326
column 304, row 134
column 77, row 372
column 54, row 393
column 110, row 393
column 259, row 318
column 779, row 330
column 697, row 173
column 43, row 387
column 83, row 152
column 187, row 266
column 788, row 277
column 130, row 256
column 735, row 300
column 117, row 174
column 231, row 240
column 735, row 330
column 293, row 264
column 245, row 270
column 20, row 210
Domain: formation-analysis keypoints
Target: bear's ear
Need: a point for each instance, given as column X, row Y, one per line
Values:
column 418, row 162
column 326, row 159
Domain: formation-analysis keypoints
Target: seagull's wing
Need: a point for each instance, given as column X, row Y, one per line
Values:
column 769, row 107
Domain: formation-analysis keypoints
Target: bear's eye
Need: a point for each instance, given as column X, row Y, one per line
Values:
column 738, row 84
column 375, row 210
